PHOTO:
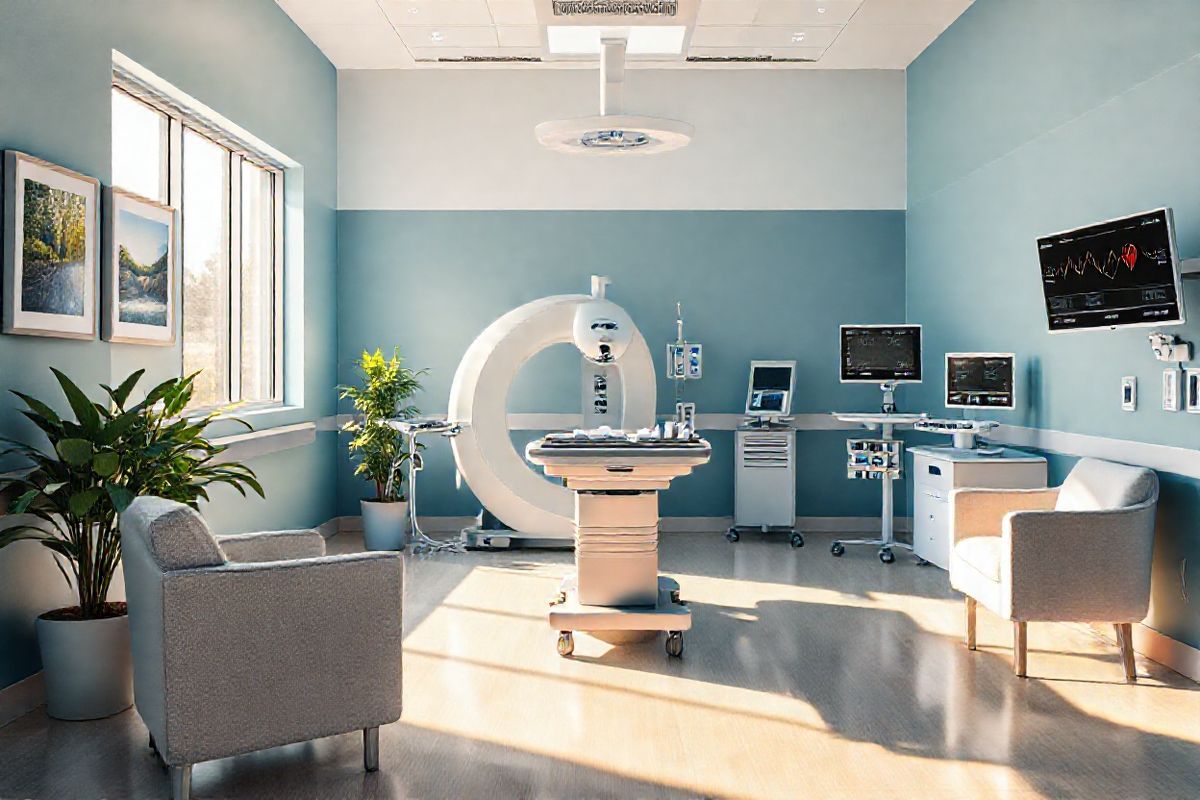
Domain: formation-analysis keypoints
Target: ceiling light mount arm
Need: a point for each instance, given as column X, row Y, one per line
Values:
column 612, row 76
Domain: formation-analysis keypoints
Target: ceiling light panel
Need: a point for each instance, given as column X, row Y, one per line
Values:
column 513, row 12
column 448, row 36
column 644, row 40
column 437, row 12
column 805, row 12
column 763, row 36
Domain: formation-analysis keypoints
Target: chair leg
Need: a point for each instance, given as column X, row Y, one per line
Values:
column 181, row 782
column 1125, row 642
column 1020, row 639
column 971, row 607
column 371, row 749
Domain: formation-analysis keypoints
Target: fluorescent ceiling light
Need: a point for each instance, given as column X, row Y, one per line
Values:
column 645, row 40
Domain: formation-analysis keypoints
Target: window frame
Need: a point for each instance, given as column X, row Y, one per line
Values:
column 178, row 120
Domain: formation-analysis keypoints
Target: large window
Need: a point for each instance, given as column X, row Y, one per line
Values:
column 230, row 203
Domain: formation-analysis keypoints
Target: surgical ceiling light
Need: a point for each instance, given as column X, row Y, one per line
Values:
column 613, row 131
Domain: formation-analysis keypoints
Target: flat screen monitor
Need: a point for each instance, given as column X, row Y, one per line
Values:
column 980, row 380
column 881, row 354
column 771, row 386
column 1113, row 274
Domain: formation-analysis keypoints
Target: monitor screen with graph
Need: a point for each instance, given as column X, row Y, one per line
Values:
column 980, row 380
column 1113, row 274
column 881, row 354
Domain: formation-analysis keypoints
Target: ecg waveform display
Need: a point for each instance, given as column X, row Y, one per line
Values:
column 1115, row 273
column 881, row 353
column 977, row 380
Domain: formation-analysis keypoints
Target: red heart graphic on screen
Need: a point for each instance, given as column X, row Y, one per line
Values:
column 1129, row 255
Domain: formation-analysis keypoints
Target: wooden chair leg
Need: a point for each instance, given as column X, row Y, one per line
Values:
column 1020, row 639
column 971, row 606
column 1125, row 642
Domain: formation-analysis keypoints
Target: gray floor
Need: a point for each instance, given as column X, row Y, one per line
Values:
column 803, row 676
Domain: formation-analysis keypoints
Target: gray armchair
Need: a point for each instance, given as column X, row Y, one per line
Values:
column 246, row 642
column 1078, row 553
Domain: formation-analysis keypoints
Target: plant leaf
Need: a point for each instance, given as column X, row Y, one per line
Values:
column 121, row 393
column 120, row 496
column 76, row 452
column 24, row 501
column 81, row 502
column 106, row 464
column 85, row 411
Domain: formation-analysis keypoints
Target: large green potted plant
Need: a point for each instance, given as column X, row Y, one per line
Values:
column 96, row 464
column 377, row 448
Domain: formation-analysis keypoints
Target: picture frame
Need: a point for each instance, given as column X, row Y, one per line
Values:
column 50, row 245
column 140, row 275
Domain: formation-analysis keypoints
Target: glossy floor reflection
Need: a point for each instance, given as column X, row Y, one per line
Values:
column 804, row 676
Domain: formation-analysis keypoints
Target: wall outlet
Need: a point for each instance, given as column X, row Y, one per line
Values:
column 1170, row 389
column 1191, row 391
column 1129, row 393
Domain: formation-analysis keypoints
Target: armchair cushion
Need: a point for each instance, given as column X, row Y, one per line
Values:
column 983, row 554
column 176, row 535
column 247, row 548
column 1095, row 485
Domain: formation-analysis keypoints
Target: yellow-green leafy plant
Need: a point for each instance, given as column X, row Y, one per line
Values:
column 378, row 449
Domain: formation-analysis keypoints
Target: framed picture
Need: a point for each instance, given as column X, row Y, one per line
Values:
column 139, row 270
column 50, row 247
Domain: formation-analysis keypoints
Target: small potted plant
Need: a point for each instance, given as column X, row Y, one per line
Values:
column 377, row 448
column 97, row 463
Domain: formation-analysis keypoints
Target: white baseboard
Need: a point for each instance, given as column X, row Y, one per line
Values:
column 1152, row 644
column 21, row 698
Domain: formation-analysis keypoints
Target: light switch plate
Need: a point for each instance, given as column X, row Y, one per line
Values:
column 1129, row 393
column 1170, row 389
column 1191, row 391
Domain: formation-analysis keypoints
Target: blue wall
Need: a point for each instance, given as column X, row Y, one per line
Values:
column 246, row 60
column 1028, row 117
column 762, row 284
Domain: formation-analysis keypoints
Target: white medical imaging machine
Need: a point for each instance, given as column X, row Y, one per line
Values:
column 765, row 455
column 619, row 381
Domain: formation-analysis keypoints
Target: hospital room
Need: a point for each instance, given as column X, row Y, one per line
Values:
column 599, row 399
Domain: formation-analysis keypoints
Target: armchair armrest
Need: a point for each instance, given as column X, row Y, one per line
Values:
column 1083, row 566
column 981, row 512
column 263, row 654
column 272, row 545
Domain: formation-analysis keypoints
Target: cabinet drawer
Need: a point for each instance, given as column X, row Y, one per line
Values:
column 932, row 473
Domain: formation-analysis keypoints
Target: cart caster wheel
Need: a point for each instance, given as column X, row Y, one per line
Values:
column 675, row 644
column 732, row 535
column 838, row 550
column 797, row 540
column 566, row 644
column 922, row 562
column 886, row 556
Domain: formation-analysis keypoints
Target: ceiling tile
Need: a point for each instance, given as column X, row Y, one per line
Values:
column 332, row 12
column 807, row 53
column 764, row 36
column 360, row 46
column 435, row 53
column 805, row 12
column 911, row 12
column 437, row 12
column 448, row 35
column 519, row 35
column 726, row 12
column 513, row 12
column 879, row 46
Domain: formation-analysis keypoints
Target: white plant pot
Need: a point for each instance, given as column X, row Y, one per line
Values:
column 384, row 524
column 87, row 666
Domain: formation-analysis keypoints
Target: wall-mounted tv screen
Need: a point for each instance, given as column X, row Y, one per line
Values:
column 881, row 353
column 1112, row 274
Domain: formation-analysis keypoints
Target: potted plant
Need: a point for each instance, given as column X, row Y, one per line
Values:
column 97, row 463
column 386, row 385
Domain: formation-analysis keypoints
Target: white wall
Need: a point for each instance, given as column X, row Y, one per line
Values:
column 463, row 139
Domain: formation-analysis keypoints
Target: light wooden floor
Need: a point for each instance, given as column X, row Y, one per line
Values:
column 804, row 676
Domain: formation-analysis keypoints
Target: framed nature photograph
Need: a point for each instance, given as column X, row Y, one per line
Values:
column 50, row 248
column 139, row 271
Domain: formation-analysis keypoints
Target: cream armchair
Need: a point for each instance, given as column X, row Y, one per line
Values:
column 1078, row 553
column 246, row 642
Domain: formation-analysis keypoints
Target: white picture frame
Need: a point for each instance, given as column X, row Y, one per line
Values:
column 50, row 297
column 139, row 308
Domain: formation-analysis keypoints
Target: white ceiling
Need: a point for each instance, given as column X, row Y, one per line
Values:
column 830, row 34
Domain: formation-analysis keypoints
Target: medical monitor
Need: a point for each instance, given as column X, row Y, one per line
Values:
column 980, row 380
column 771, row 386
column 1123, row 272
column 881, row 354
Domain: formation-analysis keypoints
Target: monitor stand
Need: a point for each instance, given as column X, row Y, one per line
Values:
column 889, row 397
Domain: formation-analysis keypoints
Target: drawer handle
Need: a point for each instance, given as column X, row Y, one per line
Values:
column 934, row 470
